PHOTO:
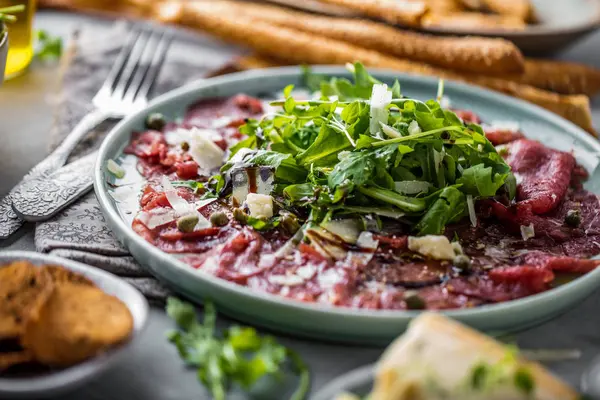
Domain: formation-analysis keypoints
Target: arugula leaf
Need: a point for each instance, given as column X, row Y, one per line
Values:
column 480, row 180
column 328, row 159
column 356, row 167
column 240, row 356
column 324, row 149
column 450, row 204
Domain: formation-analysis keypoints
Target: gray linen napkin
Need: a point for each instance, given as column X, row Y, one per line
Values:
column 80, row 231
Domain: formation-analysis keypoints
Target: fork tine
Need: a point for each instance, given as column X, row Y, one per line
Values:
column 144, row 65
column 131, row 65
column 115, row 71
column 155, row 67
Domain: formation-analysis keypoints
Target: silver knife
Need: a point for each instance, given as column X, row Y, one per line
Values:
column 39, row 199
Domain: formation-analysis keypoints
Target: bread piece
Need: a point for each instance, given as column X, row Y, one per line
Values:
column 402, row 12
column 77, row 322
column 468, row 21
column 24, row 289
column 561, row 77
column 471, row 54
column 438, row 355
column 296, row 47
column 444, row 6
column 521, row 9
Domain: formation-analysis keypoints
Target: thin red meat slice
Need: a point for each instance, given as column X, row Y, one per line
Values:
column 544, row 173
column 502, row 136
column 536, row 278
column 467, row 116
column 187, row 169
column 560, row 263
column 487, row 290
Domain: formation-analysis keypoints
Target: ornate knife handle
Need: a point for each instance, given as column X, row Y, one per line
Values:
column 40, row 199
column 9, row 221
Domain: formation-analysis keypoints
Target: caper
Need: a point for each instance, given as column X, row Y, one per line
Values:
column 414, row 301
column 218, row 218
column 462, row 262
column 290, row 223
column 240, row 215
column 156, row 121
column 573, row 218
column 187, row 223
column 185, row 146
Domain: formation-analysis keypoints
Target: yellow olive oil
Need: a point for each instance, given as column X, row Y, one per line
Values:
column 20, row 37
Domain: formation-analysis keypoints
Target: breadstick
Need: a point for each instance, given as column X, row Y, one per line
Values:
column 521, row 9
column 255, row 61
column 444, row 6
column 402, row 12
column 298, row 47
column 561, row 77
column 466, row 21
column 471, row 54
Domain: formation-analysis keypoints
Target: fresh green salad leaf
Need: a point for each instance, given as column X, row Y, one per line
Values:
column 240, row 356
column 358, row 145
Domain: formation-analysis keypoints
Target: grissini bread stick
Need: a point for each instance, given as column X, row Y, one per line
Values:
column 444, row 6
column 296, row 47
column 254, row 61
column 439, row 353
column 402, row 12
column 472, row 54
column 467, row 20
column 561, row 77
column 521, row 9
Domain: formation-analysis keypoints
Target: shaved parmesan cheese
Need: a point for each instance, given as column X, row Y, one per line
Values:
column 379, row 113
column 347, row 229
column 306, row 272
column 203, row 203
column 437, row 247
column 445, row 102
column 156, row 217
column 527, row 232
column 471, row 207
column 366, row 241
column 260, row 205
column 286, row 280
column 204, row 151
column 413, row 127
column 181, row 206
column 389, row 131
column 412, row 187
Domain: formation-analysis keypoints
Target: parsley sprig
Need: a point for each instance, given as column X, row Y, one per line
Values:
column 239, row 356
column 48, row 47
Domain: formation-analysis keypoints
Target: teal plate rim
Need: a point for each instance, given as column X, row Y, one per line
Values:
column 149, row 254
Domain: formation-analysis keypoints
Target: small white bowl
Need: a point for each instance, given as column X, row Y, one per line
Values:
column 56, row 382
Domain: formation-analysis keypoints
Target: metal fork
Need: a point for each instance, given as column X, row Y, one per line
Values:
column 124, row 92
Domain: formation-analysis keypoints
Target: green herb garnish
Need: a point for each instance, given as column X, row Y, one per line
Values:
column 48, row 47
column 240, row 356
column 347, row 151
column 6, row 13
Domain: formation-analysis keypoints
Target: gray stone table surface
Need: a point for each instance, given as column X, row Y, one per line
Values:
column 152, row 370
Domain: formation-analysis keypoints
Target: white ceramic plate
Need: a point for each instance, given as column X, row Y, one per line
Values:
column 323, row 321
